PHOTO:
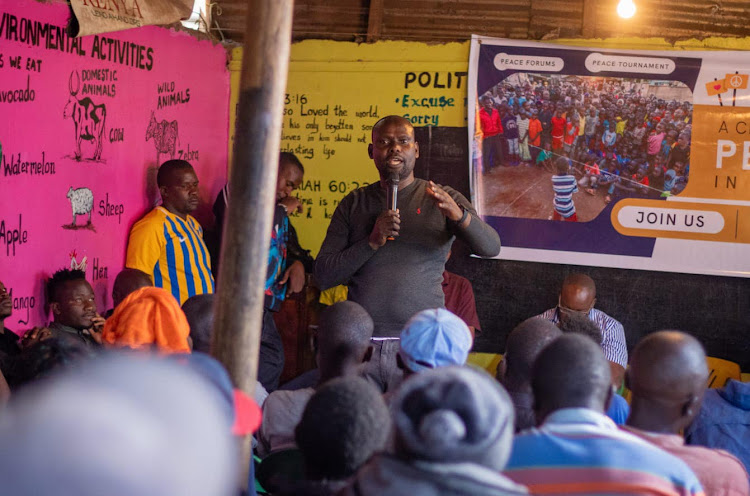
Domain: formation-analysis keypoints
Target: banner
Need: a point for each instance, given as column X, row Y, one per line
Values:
column 613, row 158
column 102, row 16
column 85, row 123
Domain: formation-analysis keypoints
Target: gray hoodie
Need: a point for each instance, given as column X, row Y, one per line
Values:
column 454, row 429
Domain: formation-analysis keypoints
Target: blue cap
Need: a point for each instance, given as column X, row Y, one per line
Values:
column 434, row 338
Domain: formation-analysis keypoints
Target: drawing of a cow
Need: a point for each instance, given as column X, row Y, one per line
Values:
column 165, row 136
column 88, row 118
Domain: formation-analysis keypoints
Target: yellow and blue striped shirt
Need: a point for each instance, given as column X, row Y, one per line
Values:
column 172, row 251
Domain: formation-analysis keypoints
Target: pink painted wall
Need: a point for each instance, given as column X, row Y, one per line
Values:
column 131, row 74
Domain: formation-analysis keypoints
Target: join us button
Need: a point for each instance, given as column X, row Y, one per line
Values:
column 670, row 219
column 685, row 220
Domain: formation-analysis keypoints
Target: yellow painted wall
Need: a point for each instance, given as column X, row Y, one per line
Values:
column 347, row 79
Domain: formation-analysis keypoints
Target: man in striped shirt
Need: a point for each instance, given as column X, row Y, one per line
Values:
column 564, row 185
column 168, row 243
column 577, row 449
column 578, row 295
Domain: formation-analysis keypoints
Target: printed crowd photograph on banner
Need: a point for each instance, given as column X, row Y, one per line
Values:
column 619, row 138
column 633, row 159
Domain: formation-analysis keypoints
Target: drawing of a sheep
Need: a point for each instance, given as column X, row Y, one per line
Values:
column 82, row 203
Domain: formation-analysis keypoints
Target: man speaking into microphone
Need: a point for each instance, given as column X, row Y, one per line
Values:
column 393, row 259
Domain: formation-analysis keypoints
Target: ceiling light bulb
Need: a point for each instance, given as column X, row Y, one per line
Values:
column 626, row 9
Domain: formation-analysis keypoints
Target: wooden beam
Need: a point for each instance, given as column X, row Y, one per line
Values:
column 375, row 20
column 589, row 18
column 252, row 194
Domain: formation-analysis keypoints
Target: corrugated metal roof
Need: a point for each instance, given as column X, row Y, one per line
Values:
column 331, row 20
column 456, row 20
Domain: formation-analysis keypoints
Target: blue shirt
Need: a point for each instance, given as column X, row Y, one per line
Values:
column 724, row 421
column 618, row 410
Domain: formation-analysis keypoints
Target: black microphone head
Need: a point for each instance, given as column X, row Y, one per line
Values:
column 393, row 177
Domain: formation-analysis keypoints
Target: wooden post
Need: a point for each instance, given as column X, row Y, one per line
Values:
column 252, row 193
column 589, row 19
column 375, row 20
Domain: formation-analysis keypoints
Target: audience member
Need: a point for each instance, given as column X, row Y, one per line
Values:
column 578, row 323
column 168, row 242
column 243, row 411
column 579, row 450
column 357, row 250
column 343, row 345
column 724, row 421
column 73, row 305
column 119, row 426
column 285, row 273
column 667, row 379
column 524, row 344
column 431, row 339
column 148, row 318
column 126, row 282
column 344, row 424
column 454, row 429
column 199, row 312
column 578, row 295
column 44, row 358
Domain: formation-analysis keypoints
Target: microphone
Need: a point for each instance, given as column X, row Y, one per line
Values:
column 392, row 193
column 392, row 190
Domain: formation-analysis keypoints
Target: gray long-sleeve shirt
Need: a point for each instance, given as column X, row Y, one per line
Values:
column 404, row 276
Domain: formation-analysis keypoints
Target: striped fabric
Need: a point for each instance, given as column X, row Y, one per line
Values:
column 579, row 451
column 564, row 187
column 172, row 251
column 613, row 335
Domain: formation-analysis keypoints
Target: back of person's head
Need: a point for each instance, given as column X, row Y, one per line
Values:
column 118, row 426
column 45, row 358
column 148, row 318
column 580, row 323
column 524, row 344
column 60, row 279
column 453, row 415
column 345, row 422
column 562, row 165
column 343, row 339
column 434, row 338
column 126, row 282
column 667, row 376
column 571, row 372
column 199, row 311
